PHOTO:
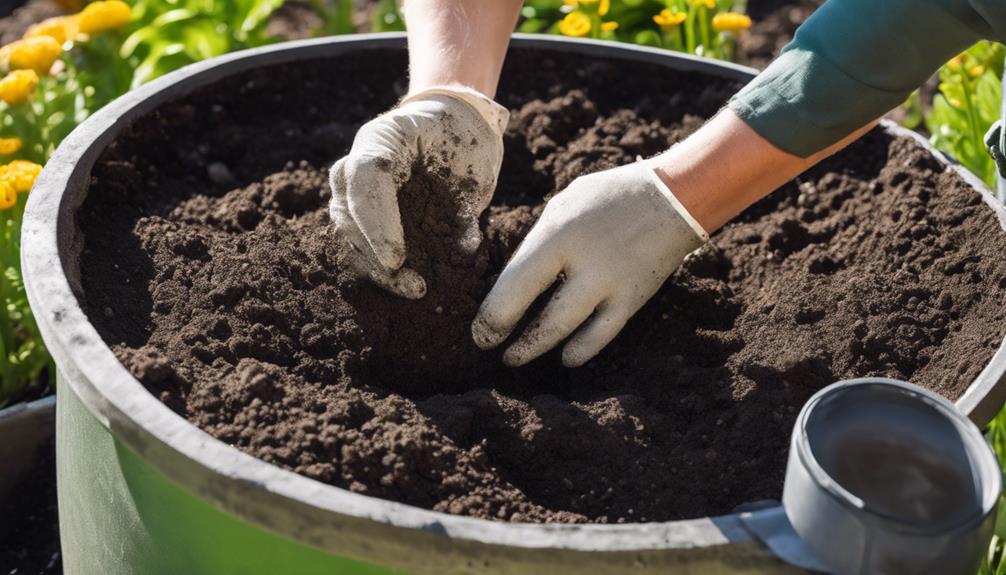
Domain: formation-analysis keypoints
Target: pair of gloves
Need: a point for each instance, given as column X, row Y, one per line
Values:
column 615, row 235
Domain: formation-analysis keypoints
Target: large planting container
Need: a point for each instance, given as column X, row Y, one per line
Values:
column 142, row 491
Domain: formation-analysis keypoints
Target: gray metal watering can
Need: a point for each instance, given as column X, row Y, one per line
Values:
column 884, row 478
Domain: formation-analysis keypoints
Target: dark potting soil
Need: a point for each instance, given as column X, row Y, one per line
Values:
column 209, row 266
column 29, row 532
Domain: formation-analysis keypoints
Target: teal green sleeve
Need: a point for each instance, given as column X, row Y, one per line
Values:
column 853, row 61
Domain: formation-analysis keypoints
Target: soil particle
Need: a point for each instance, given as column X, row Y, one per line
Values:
column 231, row 305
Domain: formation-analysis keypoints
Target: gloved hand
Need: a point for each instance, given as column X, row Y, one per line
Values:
column 449, row 130
column 616, row 235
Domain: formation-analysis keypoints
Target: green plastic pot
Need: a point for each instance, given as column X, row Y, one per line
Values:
column 142, row 491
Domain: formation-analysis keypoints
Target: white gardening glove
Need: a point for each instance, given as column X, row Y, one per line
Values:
column 616, row 236
column 445, row 130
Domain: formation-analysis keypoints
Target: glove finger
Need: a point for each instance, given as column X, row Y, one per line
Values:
column 371, row 194
column 571, row 305
column 531, row 271
column 598, row 332
column 471, row 238
column 405, row 282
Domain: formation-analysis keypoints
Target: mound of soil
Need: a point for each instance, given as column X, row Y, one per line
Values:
column 210, row 267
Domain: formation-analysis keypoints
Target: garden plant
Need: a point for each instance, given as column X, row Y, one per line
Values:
column 700, row 27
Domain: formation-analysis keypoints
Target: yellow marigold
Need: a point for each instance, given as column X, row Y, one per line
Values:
column 709, row 4
column 104, row 15
column 602, row 5
column 60, row 28
column 731, row 22
column 8, row 196
column 609, row 26
column 10, row 146
column 575, row 24
column 668, row 19
column 17, row 86
column 20, row 174
column 37, row 53
column 956, row 62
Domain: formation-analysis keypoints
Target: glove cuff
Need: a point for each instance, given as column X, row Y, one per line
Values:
column 677, row 205
column 494, row 114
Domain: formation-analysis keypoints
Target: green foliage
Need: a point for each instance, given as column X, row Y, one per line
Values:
column 968, row 103
column 994, row 562
column 86, row 77
column 165, row 35
column 22, row 354
column 636, row 24
column 387, row 18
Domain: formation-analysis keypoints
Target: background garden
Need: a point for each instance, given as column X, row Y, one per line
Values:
column 62, row 60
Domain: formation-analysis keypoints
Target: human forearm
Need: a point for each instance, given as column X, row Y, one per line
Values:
column 458, row 42
column 726, row 166
column 853, row 61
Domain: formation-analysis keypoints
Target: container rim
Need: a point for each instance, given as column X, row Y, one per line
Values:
column 980, row 455
column 314, row 512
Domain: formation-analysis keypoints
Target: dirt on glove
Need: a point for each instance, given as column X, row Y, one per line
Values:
column 210, row 268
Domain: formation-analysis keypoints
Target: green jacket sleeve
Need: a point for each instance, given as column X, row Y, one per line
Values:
column 853, row 61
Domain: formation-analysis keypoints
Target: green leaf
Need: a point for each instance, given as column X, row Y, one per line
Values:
column 155, row 29
column 533, row 26
column 257, row 15
column 988, row 98
column 647, row 38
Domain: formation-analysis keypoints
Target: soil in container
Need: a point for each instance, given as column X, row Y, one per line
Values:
column 209, row 267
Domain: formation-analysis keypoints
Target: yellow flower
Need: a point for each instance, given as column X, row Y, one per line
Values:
column 668, row 19
column 8, row 196
column 37, row 53
column 977, row 71
column 575, row 24
column 956, row 62
column 60, row 28
column 10, row 146
column 20, row 175
column 709, row 4
column 609, row 26
column 103, row 16
column 602, row 5
column 731, row 22
column 17, row 86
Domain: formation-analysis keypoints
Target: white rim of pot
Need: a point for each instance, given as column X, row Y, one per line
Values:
column 285, row 502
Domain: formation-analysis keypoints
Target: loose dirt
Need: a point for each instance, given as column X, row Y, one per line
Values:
column 210, row 268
